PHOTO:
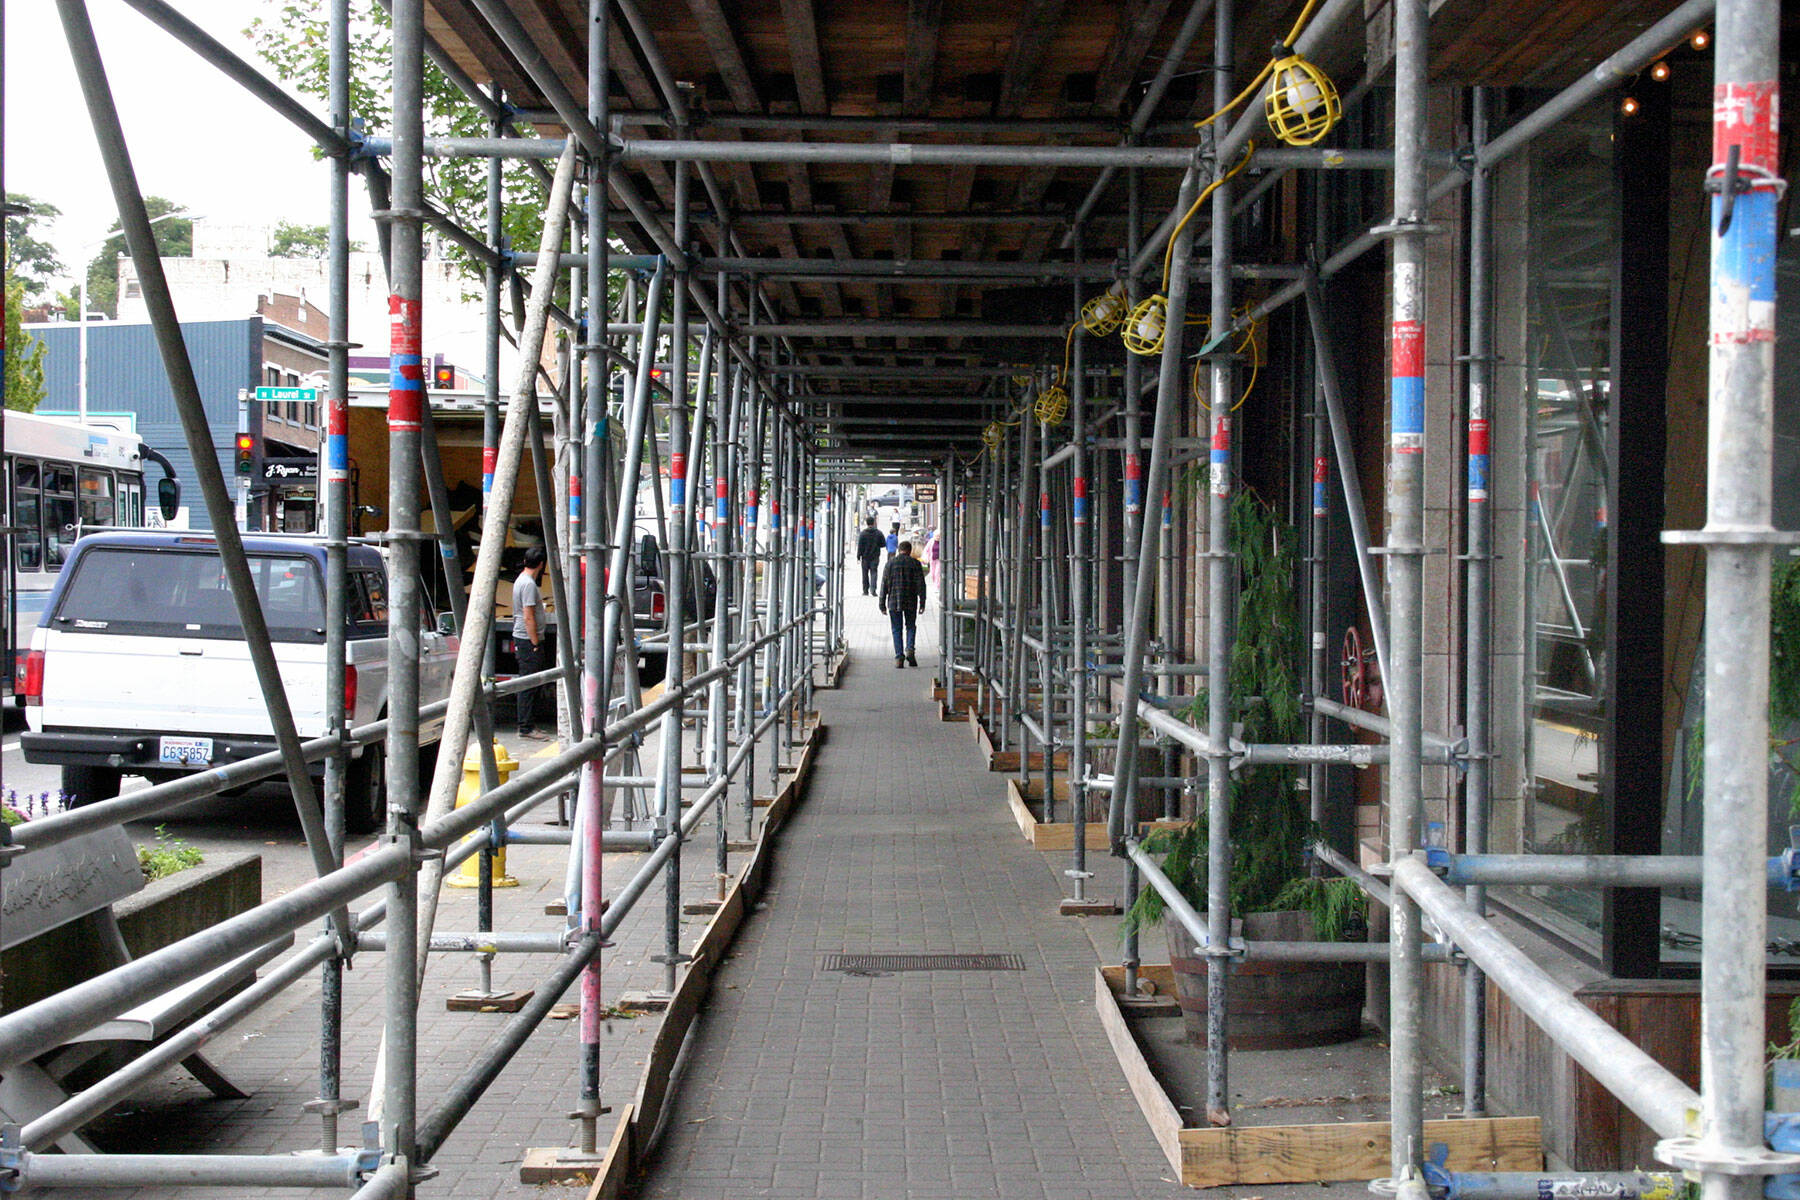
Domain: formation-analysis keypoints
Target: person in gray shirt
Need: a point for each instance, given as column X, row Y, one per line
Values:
column 531, row 637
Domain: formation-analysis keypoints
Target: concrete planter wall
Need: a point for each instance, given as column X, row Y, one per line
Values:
column 162, row 913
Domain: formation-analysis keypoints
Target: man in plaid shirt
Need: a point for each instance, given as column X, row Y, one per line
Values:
column 903, row 599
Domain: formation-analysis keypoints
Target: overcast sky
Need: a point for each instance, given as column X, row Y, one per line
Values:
column 195, row 137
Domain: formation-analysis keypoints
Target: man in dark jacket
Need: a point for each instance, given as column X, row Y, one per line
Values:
column 869, row 545
column 903, row 599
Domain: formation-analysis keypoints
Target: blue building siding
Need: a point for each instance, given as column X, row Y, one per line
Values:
column 125, row 374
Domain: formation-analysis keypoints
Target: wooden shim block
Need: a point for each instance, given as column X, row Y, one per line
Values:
column 1093, row 906
column 558, row 1164
column 1161, row 977
column 638, row 1001
column 499, row 1002
column 616, row 1166
column 1158, row 1109
column 1259, row 1154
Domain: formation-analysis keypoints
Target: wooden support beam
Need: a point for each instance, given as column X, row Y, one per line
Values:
column 1125, row 55
column 924, row 19
column 803, row 54
column 727, row 53
column 1038, row 23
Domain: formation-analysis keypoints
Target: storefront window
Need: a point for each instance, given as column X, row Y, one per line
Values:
column 1572, row 255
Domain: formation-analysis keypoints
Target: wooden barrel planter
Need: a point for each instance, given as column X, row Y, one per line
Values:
column 1269, row 1005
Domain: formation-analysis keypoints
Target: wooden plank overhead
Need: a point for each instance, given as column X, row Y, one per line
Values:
column 886, row 71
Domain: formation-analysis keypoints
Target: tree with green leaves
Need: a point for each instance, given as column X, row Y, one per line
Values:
column 23, row 380
column 29, row 259
column 299, row 241
column 293, row 39
column 174, row 239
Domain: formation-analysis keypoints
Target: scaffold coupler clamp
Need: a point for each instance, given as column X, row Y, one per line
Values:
column 368, row 1158
column 1788, row 865
column 12, row 1158
column 1439, row 860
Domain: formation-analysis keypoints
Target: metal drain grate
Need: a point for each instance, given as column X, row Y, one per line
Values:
column 860, row 964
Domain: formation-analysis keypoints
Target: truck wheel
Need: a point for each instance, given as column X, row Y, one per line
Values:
column 89, row 785
column 365, row 792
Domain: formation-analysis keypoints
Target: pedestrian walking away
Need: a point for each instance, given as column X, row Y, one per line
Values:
column 903, row 599
column 893, row 541
column 869, row 545
column 531, row 637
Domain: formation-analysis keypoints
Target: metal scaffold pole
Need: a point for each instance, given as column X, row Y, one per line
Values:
column 1081, row 569
column 1405, row 566
column 1477, row 782
column 1738, row 538
column 1221, row 592
column 591, row 813
column 406, row 399
column 668, row 775
column 336, row 513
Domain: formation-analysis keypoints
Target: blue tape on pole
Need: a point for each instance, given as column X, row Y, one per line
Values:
column 1409, row 412
column 677, row 492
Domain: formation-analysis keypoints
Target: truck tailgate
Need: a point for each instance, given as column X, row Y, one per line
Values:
column 174, row 685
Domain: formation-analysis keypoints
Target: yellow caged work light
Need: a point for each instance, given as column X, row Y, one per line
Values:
column 1102, row 314
column 1052, row 405
column 1144, row 328
column 1302, row 105
column 993, row 435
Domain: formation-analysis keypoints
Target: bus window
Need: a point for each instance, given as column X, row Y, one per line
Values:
column 26, row 510
column 59, row 513
column 131, row 501
column 97, row 507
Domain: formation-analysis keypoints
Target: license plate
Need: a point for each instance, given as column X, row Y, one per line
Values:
column 186, row 752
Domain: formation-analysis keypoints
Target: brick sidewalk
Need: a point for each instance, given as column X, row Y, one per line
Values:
column 941, row 1085
column 274, row 1054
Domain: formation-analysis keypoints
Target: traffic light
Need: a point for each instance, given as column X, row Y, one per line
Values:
column 246, row 450
column 444, row 377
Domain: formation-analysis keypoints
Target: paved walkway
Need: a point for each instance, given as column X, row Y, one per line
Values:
column 941, row 1085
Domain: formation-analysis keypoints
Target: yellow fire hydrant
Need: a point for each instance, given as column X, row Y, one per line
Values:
column 469, row 874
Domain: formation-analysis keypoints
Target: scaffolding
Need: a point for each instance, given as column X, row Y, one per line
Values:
column 1021, row 468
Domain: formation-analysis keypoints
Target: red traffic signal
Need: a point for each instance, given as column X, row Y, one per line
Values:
column 246, row 451
column 444, row 376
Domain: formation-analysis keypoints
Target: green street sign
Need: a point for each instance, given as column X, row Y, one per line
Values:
column 304, row 395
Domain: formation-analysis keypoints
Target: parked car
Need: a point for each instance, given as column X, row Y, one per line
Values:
column 139, row 666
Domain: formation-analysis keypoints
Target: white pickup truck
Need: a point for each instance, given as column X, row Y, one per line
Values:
column 139, row 665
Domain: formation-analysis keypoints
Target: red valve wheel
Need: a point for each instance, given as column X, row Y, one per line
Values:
column 1353, row 669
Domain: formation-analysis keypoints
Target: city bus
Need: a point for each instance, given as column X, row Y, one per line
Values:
column 60, row 479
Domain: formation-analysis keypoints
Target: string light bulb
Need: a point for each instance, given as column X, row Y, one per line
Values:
column 1701, row 39
column 1630, row 106
column 1660, row 72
